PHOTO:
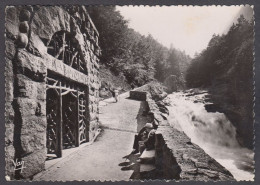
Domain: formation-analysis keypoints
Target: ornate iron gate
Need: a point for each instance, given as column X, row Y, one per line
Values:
column 53, row 112
column 69, row 110
column 66, row 114
column 66, row 100
column 63, row 46
column 82, row 118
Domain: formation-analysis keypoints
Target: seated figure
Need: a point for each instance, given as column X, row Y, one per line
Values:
column 145, row 139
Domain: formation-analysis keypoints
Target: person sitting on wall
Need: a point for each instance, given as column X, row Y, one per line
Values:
column 145, row 139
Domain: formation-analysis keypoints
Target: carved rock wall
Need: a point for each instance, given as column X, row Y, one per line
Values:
column 29, row 30
column 9, row 111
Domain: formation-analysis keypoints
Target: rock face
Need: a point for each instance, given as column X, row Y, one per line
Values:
column 155, row 89
column 237, row 104
column 29, row 64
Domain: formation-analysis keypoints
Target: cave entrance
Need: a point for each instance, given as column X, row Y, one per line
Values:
column 66, row 113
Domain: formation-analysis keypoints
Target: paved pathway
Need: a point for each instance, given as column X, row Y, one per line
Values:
column 125, row 115
column 103, row 159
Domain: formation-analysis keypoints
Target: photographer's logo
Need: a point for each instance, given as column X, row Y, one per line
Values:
column 18, row 165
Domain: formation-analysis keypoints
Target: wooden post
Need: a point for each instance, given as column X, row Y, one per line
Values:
column 63, row 46
column 78, row 62
column 86, row 95
column 77, row 137
column 59, row 125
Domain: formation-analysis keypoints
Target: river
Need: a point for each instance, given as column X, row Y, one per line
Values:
column 213, row 132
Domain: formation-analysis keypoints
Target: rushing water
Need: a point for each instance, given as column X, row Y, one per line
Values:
column 213, row 132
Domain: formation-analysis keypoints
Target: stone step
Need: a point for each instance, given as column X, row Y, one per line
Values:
column 146, row 168
column 148, row 156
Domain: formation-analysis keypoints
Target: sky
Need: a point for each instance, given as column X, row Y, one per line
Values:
column 188, row 28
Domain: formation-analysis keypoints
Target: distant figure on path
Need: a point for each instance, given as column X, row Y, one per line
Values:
column 132, row 86
column 116, row 95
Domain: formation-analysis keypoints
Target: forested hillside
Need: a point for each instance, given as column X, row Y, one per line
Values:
column 225, row 67
column 130, row 59
column 133, row 58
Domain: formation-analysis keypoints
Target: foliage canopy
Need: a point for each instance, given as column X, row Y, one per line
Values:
column 140, row 59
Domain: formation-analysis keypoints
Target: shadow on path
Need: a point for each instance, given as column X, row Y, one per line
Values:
column 142, row 117
column 131, row 164
column 131, row 159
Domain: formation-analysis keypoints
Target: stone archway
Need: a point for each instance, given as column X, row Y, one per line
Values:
column 45, row 23
column 64, row 46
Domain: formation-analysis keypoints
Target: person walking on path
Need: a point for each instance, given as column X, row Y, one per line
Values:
column 116, row 95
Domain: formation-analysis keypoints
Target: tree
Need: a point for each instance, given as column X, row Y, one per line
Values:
column 139, row 58
column 225, row 67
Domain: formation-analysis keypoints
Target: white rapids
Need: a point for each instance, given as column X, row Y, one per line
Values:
column 213, row 132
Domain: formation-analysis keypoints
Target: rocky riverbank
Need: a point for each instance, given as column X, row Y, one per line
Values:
column 193, row 113
column 239, row 111
column 176, row 156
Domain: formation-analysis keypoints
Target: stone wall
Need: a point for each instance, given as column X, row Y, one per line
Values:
column 9, row 96
column 176, row 156
column 29, row 30
column 137, row 95
column 180, row 159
